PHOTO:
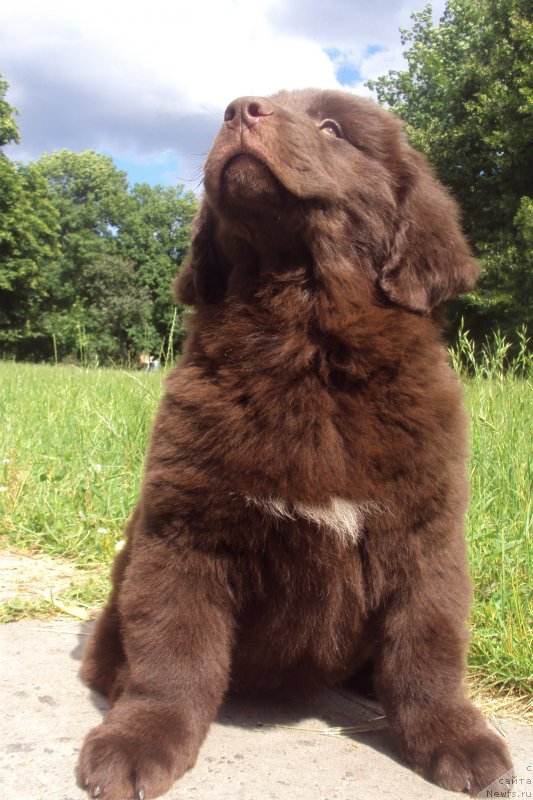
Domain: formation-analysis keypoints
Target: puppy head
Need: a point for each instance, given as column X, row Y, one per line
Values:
column 429, row 260
column 203, row 276
column 331, row 173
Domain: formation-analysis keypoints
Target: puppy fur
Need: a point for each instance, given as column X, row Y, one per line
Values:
column 302, row 508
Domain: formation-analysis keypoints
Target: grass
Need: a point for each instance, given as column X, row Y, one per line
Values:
column 499, row 397
column 71, row 450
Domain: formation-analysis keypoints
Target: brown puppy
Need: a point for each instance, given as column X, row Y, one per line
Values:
column 302, row 509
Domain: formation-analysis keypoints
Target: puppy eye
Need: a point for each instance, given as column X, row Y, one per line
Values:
column 331, row 128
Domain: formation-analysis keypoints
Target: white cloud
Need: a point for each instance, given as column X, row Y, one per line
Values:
column 140, row 79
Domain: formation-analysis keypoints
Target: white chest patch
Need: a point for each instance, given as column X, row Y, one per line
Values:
column 344, row 518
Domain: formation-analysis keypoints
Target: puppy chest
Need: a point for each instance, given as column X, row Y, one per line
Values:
column 277, row 438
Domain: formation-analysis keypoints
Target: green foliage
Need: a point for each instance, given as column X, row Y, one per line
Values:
column 28, row 248
column 9, row 131
column 467, row 99
column 107, row 320
column 91, row 199
column 120, row 250
column 87, row 262
column 155, row 237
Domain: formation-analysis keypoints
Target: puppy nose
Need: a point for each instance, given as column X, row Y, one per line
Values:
column 247, row 111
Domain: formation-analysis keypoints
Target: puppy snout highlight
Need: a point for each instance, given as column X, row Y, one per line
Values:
column 247, row 112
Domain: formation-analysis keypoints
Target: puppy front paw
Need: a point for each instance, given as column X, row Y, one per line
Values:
column 472, row 766
column 118, row 763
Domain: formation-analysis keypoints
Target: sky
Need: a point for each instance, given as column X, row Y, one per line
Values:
column 147, row 83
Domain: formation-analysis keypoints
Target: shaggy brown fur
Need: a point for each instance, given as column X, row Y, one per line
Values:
column 302, row 509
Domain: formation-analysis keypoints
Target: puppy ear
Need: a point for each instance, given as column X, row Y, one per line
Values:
column 430, row 259
column 203, row 277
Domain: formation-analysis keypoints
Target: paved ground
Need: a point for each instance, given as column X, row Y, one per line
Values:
column 255, row 751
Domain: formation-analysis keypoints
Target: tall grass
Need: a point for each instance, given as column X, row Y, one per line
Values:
column 72, row 443
column 498, row 392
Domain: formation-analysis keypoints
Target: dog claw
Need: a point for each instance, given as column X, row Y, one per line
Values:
column 97, row 791
column 139, row 794
column 468, row 786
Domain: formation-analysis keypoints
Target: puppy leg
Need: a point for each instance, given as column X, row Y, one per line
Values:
column 176, row 616
column 103, row 658
column 419, row 679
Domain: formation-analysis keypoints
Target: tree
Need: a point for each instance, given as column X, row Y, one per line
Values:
column 29, row 246
column 117, row 312
column 9, row 131
column 466, row 98
column 90, row 196
column 110, row 291
column 155, row 237
column 28, row 241
column 86, row 263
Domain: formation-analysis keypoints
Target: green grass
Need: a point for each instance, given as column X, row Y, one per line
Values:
column 499, row 397
column 72, row 444
column 71, row 450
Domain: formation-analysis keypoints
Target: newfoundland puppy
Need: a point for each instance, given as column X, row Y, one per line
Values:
column 301, row 514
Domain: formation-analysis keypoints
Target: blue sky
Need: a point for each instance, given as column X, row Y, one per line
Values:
column 164, row 169
column 148, row 83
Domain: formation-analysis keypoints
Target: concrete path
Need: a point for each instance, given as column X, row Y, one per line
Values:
column 257, row 750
